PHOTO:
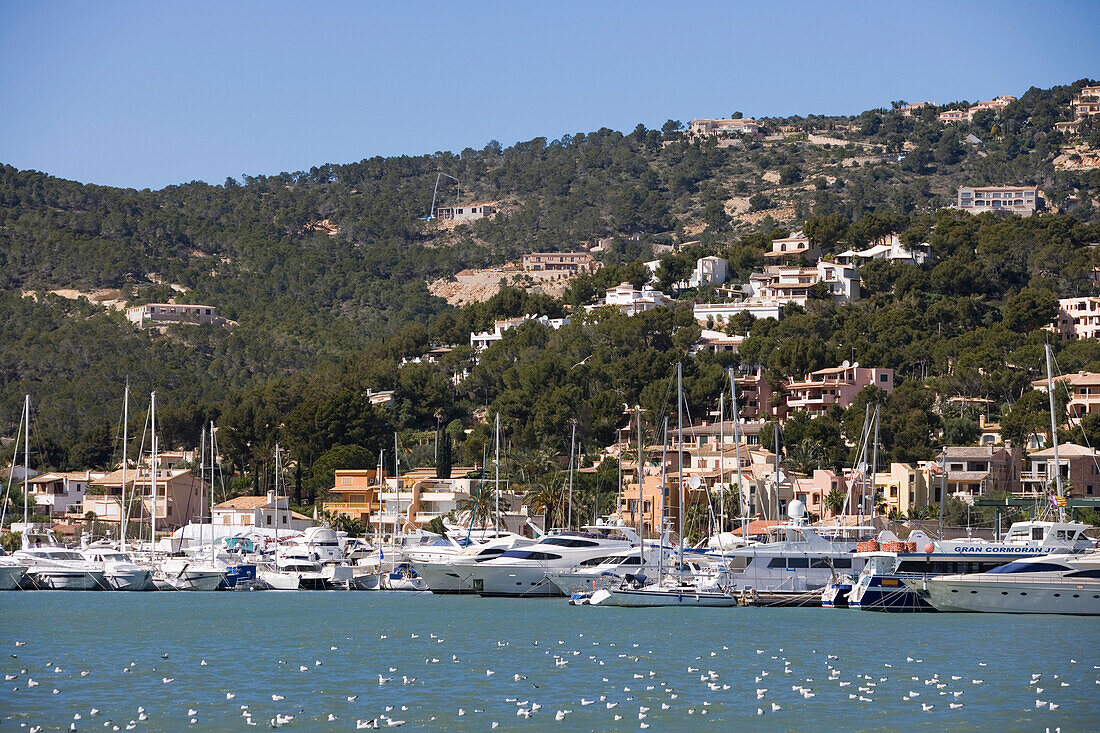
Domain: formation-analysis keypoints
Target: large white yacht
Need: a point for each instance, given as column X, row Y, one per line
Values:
column 522, row 571
column 796, row 562
column 624, row 565
column 53, row 567
column 450, row 574
column 1063, row 584
column 119, row 569
column 880, row 586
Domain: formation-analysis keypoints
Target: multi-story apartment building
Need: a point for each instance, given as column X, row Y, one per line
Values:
column 706, row 126
column 1087, row 103
column 906, row 486
column 57, row 494
column 978, row 471
column 1078, row 318
column 181, row 497
column 1079, row 466
column 1084, row 393
column 164, row 314
column 836, row 386
column 793, row 284
column 559, row 261
column 630, row 300
column 1023, row 200
column 354, row 493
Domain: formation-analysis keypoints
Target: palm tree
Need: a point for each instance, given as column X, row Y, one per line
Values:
column 548, row 497
column 834, row 502
column 482, row 503
column 695, row 522
column 806, row 456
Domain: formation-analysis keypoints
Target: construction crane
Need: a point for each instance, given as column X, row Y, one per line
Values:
column 458, row 191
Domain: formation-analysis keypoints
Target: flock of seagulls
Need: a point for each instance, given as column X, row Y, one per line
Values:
column 636, row 686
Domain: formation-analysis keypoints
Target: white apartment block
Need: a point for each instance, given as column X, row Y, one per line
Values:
column 485, row 339
column 718, row 314
column 631, row 301
column 792, row 284
column 709, row 270
column 1078, row 318
column 1022, row 200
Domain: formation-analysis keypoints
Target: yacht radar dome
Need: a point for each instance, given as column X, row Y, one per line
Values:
column 796, row 509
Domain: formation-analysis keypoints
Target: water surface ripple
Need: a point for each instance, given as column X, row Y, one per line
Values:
column 462, row 663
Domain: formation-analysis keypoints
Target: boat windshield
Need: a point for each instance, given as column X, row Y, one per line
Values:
column 1029, row 567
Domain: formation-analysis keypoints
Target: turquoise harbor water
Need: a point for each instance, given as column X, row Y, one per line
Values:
column 315, row 650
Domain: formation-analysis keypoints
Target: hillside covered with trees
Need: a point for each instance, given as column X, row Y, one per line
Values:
column 324, row 274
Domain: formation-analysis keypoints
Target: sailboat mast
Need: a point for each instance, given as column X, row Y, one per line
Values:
column 496, row 487
column 277, row 506
column 680, row 458
column 572, row 449
column 202, row 481
column 213, row 452
column 26, row 460
column 721, row 465
column 1054, row 435
column 125, row 508
column 737, row 454
column 874, row 459
column 664, row 492
column 153, row 468
column 641, row 519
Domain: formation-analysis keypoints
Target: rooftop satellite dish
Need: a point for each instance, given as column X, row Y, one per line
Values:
column 695, row 482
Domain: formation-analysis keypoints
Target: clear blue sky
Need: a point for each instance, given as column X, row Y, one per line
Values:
column 147, row 94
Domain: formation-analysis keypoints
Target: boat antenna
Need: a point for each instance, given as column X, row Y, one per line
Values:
column 742, row 499
column 496, row 487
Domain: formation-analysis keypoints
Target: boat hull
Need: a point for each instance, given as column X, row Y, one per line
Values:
column 130, row 580
column 57, row 579
column 11, row 576
column 444, row 578
column 1080, row 598
column 513, row 581
column 643, row 598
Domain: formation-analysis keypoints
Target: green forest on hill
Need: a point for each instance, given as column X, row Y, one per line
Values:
column 321, row 319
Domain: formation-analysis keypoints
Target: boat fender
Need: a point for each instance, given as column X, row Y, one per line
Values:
column 929, row 548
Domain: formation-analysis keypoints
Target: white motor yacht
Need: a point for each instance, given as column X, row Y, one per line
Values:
column 797, row 562
column 522, row 571
column 119, row 569
column 53, row 567
column 881, row 587
column 612, row 570
column 449, row 574
column 689, row 584
column 1061, row 584
column 184, row 573
column 12, row 572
